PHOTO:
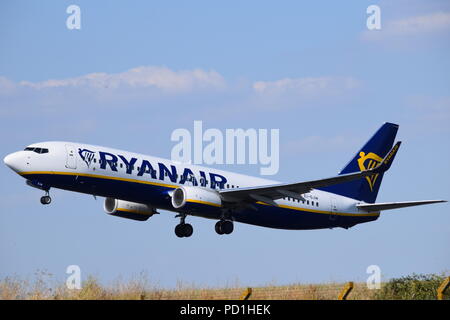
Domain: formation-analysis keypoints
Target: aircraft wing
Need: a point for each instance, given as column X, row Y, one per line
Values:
column 269, row 193
column 394, row 205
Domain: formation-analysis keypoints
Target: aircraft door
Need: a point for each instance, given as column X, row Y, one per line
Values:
column 71, row 159
column 333, row 209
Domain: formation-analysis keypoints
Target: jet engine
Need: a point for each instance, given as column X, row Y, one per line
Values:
column 128, row 210
column 182, row 195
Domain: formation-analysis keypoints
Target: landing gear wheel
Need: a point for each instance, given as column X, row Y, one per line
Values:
column 179, row 231
column 218, row 227
column 184, row 230
column 188, row 230
column 227, row 227
column 224, row 227
column 46, row 200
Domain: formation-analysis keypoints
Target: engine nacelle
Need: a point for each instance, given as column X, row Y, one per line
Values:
column 183, row 196
column 128, row 210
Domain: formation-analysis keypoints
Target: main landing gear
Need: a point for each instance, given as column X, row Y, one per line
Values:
column 46, row 199
column 224, row 227
column 183, row 230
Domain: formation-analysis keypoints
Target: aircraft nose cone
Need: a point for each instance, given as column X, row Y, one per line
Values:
column 8, row 160
column 11, row 161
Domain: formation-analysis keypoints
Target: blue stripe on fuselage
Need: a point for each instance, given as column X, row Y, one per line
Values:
column 158, row 196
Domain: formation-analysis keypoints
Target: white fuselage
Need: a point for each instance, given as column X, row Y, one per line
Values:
column 149, row 180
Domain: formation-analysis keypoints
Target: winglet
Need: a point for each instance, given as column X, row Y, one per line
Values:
column 387, row 161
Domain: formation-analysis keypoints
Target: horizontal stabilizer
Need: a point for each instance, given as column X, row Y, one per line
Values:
column 394, row 205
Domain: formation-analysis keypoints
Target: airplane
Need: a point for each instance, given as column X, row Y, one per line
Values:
column 136, row 186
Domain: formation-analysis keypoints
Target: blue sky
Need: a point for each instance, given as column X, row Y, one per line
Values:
column 133, row 74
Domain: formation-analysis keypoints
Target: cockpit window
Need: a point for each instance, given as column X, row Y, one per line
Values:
column 37, row 150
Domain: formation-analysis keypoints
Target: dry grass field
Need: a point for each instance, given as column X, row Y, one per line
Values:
column 138, row 288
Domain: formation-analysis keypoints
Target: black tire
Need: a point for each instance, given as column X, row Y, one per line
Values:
column 179, row 230
column 218, row 227
column 227, row 227
column 46, row 200
column 187, row 230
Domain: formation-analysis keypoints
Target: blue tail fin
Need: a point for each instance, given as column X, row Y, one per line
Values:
column 371, row 154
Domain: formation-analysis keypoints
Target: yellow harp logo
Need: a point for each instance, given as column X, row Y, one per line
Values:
column 369, row 161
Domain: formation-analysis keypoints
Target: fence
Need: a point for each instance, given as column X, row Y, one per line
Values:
column 14, row 289
column 325, row 292
column 292, row 292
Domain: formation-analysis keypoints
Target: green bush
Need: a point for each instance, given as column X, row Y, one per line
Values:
column 413, row 287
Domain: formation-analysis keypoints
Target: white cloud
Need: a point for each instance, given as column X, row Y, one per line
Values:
column 165, row 86
column 6, row 86
column 160, row 78
column 431, row 113
column 432, row 23
column 420, row 24
column 306, row 86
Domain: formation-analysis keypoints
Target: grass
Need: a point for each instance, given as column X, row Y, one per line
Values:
column 413, row 287
column 44, row 286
